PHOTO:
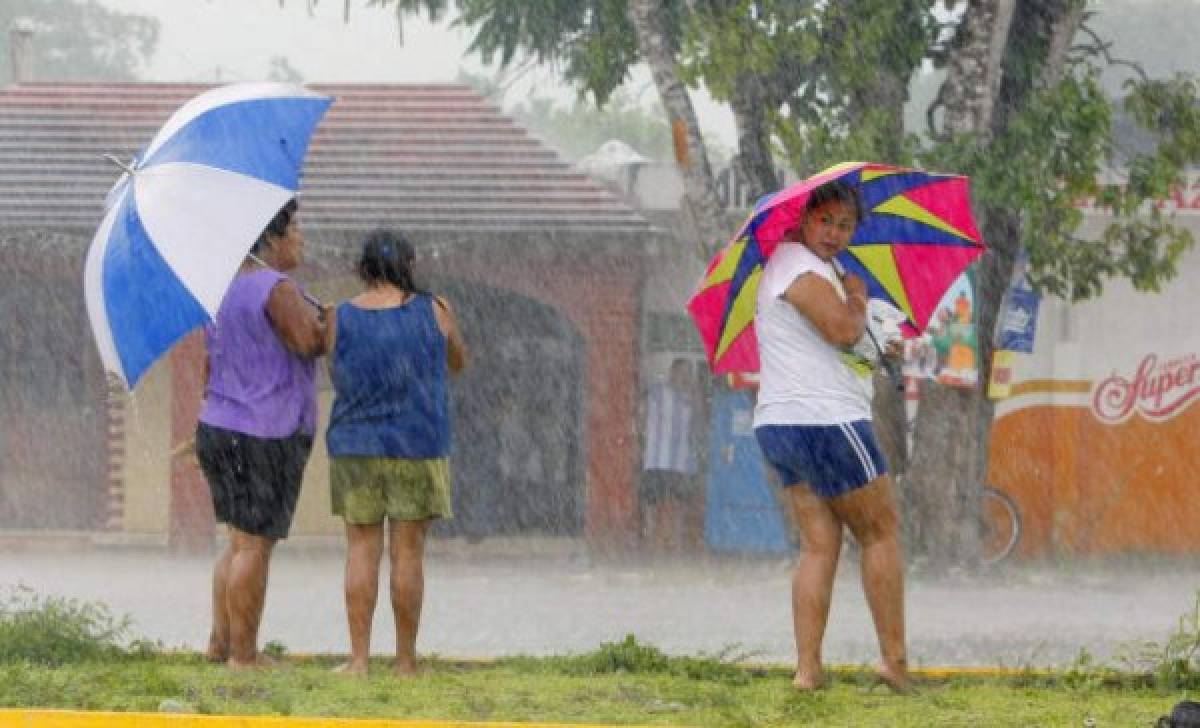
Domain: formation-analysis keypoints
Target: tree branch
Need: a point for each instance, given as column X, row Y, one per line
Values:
column 939, row 102
column 1101, row 47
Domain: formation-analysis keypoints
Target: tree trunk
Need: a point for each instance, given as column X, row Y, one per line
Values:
column 940, row 485
column 1052, row 24
column 700, row 191
column 982, row 95
column 974, row 70
column 885, row 95
column 940, row 490
column 754, row 165
column 1036, row 50
column 1063, row 27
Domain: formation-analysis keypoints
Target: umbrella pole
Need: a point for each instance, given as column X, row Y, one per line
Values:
column 127, row 168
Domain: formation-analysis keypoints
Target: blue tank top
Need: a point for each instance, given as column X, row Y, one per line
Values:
column 389, row 383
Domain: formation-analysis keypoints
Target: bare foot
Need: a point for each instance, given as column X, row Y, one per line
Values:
column 352, row 668
column 895, row 677
column 406, row 668
column 806, row 681
column 260, row 662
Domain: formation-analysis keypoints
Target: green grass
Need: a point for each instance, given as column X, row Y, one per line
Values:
column 562, row 690
column 57, row 653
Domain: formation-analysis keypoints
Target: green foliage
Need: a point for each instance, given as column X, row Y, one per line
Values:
column 851, row 82
column 768, row 40
column 592, row 41
column 79, row 41
column 810, row 148
column 835, row 75
column 624, row 656
column 1052, row 150
column 1085, row 673
column 275, row 649
column 1175, row 663
column 553, row 31
column 578, row 129
column 1170, row 109
column 435, row 10
column 630, row 656
column 866, row 46
column 56, row 631
column 1054, row 153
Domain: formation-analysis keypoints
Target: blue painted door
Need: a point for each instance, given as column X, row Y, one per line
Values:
column 741, row 514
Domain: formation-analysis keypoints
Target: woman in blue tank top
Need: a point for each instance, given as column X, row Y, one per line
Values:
column 390, row 350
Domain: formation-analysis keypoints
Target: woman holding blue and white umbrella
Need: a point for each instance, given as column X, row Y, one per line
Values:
column 256, row 426
column 197, row 232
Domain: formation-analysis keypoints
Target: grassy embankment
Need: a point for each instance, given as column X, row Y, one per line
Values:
column 63, row 654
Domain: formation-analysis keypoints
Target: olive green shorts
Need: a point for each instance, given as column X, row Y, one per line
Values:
column 365, row 490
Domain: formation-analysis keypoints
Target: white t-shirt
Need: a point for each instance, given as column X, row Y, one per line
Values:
column 804, row 380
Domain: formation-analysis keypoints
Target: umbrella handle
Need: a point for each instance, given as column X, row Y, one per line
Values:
column 889, row 367
column 312, row 299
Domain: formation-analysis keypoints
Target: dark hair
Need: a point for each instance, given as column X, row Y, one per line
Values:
column 278, row 225
column 836, row 191
column 387, row 257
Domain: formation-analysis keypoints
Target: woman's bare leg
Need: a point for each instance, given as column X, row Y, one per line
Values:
column 245, row 593
column 218, row 638
column 407, row 553
column 812, row 580
column 870, row 514
column 364, row 549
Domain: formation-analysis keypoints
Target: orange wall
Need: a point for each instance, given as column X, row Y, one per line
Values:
column 1088, row 487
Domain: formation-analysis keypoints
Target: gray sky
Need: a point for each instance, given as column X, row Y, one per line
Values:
column 235, row 40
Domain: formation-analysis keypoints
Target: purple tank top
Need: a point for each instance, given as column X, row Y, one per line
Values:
column 256, row 386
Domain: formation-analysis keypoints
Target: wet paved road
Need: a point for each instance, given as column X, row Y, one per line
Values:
column 481, row 605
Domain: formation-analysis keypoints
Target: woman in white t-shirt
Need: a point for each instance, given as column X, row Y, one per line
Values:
column 813, row 423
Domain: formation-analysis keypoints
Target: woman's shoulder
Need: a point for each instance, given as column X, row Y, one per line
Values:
column 252, row 288
column 790, row 261
column 795, row 254
column 260, row 277
column 267, row 277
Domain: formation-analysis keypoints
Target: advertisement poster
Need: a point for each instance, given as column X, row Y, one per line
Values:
column 948, row 351
column 1018, row 312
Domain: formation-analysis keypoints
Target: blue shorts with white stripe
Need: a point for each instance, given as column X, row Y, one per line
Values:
column 829, row 459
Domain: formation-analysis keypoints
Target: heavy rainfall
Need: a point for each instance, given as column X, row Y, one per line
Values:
column 564, row 190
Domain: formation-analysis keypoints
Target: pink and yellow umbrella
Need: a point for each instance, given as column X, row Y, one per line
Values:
column 918, row 235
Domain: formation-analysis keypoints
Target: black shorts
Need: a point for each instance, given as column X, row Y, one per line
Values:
column 255, row 481
column 661, row 485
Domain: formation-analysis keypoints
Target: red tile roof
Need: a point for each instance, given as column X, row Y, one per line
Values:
column 433, row 157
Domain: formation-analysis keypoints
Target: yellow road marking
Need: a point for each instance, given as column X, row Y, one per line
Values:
column 89, row 719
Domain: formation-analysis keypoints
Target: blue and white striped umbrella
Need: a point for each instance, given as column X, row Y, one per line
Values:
column 181, row 220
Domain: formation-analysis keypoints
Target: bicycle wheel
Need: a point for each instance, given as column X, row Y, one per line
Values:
column 1001, row 526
